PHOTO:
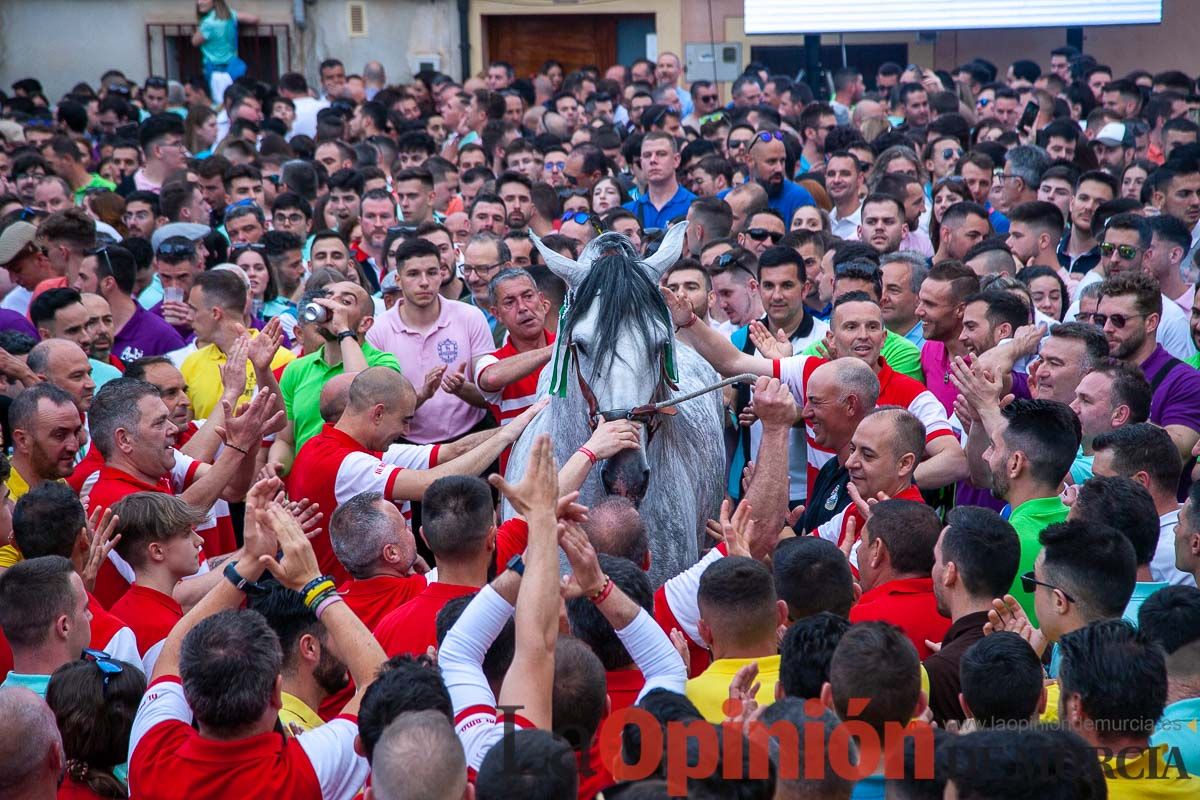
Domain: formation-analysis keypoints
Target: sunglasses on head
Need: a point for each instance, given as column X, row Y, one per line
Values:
column 174, row 249
column 730, row 261
column 761, row 234
column 767, row 136
column 578, row 217
column 101, row 251
column 32, row 213
column 242, row 247
column 1126, row 251
column 1030, row 583
column 107, row 665
column 245, row 202
column 1118, row 320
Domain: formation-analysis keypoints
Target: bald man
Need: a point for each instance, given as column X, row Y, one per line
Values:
column 615, row 527
column 30, row 747
column 64, row 364
column 350, row 313
column 348, row 457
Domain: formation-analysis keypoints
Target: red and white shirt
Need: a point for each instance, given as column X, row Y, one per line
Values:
column 151, row 615
column 168, row 758
column 333, row 467
column 108, row 485
column 834, row 530
column 894, row 390
column 512, row 400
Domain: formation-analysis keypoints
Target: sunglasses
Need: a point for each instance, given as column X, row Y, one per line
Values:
column 951, row 152
column 578, row 217
column 101, row 251
column 706, row 98
column 1125, row 251
column 1118, row 320
column 767, row 136
column 1029, row 583
column 647, row 122
column 175, row 249
column 105, row 663
column 555, row 166
column 761, row 234
column 245, row 202
column 729, row 261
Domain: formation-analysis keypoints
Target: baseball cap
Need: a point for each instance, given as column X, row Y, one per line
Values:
column 188, row 230
column 389, row 283
column 1115, row 134
column 14, row 239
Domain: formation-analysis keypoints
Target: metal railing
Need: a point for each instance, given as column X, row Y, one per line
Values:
column 266, row 49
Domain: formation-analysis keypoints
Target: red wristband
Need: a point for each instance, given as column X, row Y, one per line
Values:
column 588, row 454
column 603, row 594
column 689, row 323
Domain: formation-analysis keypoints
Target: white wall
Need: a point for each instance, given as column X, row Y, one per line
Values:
column 62, row 42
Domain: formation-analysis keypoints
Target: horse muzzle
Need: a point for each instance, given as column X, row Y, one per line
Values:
column 627, row 474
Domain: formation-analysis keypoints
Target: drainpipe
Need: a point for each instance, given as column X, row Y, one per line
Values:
column 464, row 28
column 299, row 14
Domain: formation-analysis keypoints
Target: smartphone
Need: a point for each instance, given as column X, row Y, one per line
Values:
column 1028, row 116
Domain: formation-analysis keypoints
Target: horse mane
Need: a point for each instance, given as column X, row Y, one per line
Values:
column 625, row 298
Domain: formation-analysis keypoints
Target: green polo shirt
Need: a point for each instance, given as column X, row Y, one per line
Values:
column 302, row 382
column 95, row 183
column 901, row 355
column 1029, row 519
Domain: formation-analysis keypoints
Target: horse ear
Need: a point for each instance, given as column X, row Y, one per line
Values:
column 570, row 271
column 668, row 252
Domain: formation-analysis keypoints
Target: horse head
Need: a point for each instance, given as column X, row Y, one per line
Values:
column 616, row 342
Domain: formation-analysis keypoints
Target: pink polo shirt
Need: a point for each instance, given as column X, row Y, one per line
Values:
column 460, row 335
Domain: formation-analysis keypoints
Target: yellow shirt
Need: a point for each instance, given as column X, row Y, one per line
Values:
column 18, row 487
column 1153, row 773
column 296, row 712
column 202, row 372
column 710, row 689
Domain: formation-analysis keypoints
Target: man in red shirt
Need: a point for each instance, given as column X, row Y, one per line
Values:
column 131, row 426
column 159, row 542
column 508, row 378
column 221, row 668
column 895, row 563
column 348, row 457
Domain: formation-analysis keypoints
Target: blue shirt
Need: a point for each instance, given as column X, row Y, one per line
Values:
column 652, row 217
column 34, row 683
column 1179, row 727
column 998, row 220
column 1141, row 590
column 916, row 336
column 791, row 196
column 103, row 373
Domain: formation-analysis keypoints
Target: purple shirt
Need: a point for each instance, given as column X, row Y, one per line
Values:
column 1176, row 401
column 459, row 336
column 145, row 334
column 13, row 321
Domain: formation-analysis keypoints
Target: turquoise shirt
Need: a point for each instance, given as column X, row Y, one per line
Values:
column 1179, row 727
column 220, row 38
column 1141, row 590
column 34, row 683
column 103, row 373
column 1081, row 467
column 152, row 295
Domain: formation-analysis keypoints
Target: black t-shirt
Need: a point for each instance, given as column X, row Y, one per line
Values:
column 829, row 496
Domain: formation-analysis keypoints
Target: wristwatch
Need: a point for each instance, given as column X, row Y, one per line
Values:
column 517, row 564
column 240, row 583
column 347, row 335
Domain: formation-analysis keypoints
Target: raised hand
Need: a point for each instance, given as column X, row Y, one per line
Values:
column 453, row 382
column 262, row 348
column 101, row 542
column 1007, row 614
column 774, row 404
column 233, row 371
column 737, row 528
column 775, row 346
column 680, row 309
column 586, row 578
column 538, row 489
column 298, row 565
column 850, row 538
column 433, row 379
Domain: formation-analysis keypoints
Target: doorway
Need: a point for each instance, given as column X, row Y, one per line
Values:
column 575, row 40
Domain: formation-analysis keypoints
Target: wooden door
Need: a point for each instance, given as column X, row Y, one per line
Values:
column 527, row 41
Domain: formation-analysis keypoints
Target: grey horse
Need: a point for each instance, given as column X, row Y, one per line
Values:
column 617, row 354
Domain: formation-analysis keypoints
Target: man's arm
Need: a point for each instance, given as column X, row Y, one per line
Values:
column 768, row 494
column 658, row 660
column 205, row 444
column 298, row 567
column 449, row 451
column 498, row 374
column 410, row 484
column 231, row 475
column 283, row 450
column 944, row 464
column 353, row 359
column 715, row 348
column 1185, row 439
column 530, row 681
column 606, row 441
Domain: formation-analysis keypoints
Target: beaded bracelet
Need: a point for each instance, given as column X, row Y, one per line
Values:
column 603, row 594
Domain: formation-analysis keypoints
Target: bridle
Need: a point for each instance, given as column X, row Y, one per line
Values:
column 648, row 414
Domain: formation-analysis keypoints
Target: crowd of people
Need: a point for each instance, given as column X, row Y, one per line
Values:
column 260, row 352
